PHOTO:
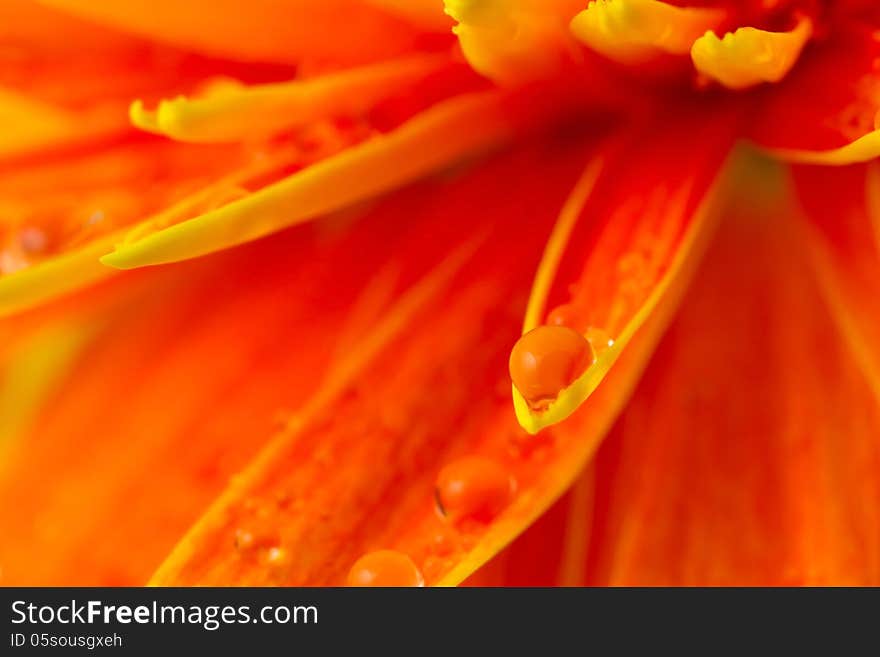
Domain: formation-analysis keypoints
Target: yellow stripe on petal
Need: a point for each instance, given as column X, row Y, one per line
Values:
column 464, row 126
column 36, row 364
column 634, row 31
column 863, row 149
column 54, row 277
column 749, row 56
column 233, row 112
column 555, row 247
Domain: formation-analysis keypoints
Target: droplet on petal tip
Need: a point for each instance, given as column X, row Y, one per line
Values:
column 473, row 487
column 546, row 360
column 385, row 568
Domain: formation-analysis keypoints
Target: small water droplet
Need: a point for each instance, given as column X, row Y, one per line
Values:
column 33, row 240
column 385, row 568
column 276, row 555
column 12, row 261
column 599, row 340
column 564, row 315
column 473, row 487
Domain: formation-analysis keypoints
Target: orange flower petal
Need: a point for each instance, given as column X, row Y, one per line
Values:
column 65, row 80
column 748, row 454
column 427, row 13
column 842, row 212
column 63, row 210
column 270, row 30
column 184, row 380
column 116, row 195
column 450, row 131
column 749, row 451
column 422, row 392
column 425, row 400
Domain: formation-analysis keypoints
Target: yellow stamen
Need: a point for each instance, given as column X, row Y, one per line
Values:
column 233, row 112
column 454, row 129
column 750, row 56
column 510, row 41
column 634, row 31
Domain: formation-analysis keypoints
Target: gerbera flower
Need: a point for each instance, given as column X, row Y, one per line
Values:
column 269, row 269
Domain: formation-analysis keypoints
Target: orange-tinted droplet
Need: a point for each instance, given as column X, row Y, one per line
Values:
column 473, row 487
column 564, row 315
column 547, row 360
column 385, row 568
column 599, row 340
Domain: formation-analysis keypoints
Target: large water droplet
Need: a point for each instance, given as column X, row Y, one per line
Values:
column 546, row 360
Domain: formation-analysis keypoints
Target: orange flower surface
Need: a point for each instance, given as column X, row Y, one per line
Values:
column 413, row 292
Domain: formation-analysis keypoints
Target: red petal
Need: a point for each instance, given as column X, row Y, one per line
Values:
column 825, row 110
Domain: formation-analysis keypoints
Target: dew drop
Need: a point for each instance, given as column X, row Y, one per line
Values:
column 599, row 340
column 473, row 487
column 33, row 240
column 385, row 568
column 256, row 537
column 276, row 555
column 12, row 261
column 564, row 315
column 546, row 360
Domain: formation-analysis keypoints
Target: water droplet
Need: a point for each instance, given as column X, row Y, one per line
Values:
column 564, row 315
column 547, row 360
column 599, row 340
column 276, row 555
column 473, row 487
column 254, row 537
column 385, row 568
column 12, row 261
column 33, row 240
